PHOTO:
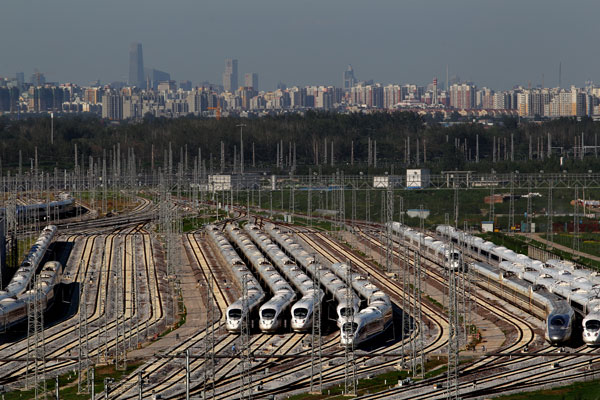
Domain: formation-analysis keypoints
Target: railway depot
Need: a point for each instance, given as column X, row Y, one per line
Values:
column 243, row 305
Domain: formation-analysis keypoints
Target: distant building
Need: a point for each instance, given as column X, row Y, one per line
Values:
column 349, row 79
column 20, row 79
column 154, row 77
column 136, row 66
column 462, row 96
column 38, row 79
column 185, row 85
column 230, row 76
column 167, row 86
column 112, row 106
column 251, row 80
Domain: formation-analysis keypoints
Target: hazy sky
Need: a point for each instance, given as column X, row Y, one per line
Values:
column 499, row 43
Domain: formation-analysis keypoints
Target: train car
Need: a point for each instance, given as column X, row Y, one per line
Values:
column 273, row 313
column 367, row 324
column 22, row 277
column 559, row 322
column 302, row 310
column 44, row 210
column 347, row 301
column 448, row 256
column 557, row 313
column 236, row 311
column 372, row 320
column 591, row 322
column 13, row 310
column 578, row 286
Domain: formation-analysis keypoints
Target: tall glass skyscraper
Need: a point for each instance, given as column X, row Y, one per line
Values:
column 136, row 66
column 230, row 76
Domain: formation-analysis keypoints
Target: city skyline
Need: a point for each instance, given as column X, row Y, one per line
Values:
column 496, row 45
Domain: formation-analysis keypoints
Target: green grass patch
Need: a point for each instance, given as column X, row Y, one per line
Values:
column 576, row 391
column 68, row 384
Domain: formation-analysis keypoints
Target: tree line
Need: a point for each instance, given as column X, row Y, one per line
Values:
column 359, row 142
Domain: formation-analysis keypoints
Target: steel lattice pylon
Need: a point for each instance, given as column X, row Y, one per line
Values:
column 389, row 218
column 349, row 356
column 418, row 356
column 453, row 333
column 120, row 350
column 83, row 386
column 36, row 352
column 245, row 376
column 549, row 227
column 209, row 343
column 511, row 207
column 576, row 241
column 316, row 366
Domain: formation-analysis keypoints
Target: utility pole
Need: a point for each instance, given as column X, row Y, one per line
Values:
column 349, row 364
column 453, row 333
column 36, row 353
column 576, row 223
column 241, row 147
column 316, row 366
column 549, row 227
column 209, row 343
column 388, row 222
column 511, row 206
column 246, row 377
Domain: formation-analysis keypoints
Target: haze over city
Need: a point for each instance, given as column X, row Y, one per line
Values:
column 496, row 44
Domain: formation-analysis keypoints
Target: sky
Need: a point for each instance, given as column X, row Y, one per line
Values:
column 494, row 43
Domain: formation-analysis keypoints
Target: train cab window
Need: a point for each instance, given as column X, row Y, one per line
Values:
column 268, row 313
column 456, row 256
column 235, row 314
column 346, row 312
column 592, row 325
column 557, row 321
column 349, row 327
column 300, row 312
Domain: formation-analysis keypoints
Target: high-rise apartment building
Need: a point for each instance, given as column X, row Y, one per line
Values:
column 251, row 80
column 230, row 76
column 462, row 96
column 136, row 66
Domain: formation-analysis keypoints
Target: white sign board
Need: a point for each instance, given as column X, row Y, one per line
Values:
column 217, row 183
column 382, row 182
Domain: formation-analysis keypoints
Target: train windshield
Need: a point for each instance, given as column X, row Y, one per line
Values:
column 268, row 313
column 558, row 321
column 235, row 314
column 349, row 327
column 300, row 312
column 456, row 256
column 592, row 325
column 346, row 312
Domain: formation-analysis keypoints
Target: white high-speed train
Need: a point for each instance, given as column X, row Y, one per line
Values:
column 372, row 320
column 559, row 316
column 20, row 280
column 302, row 310
column 236, row 311
column 578, row 286
column 13, row 310
column 450, row 258
column 334, row 286
column 272, row 314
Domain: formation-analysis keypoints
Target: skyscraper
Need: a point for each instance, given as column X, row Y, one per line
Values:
column 349, row 79
column 136, row 66
column 251, row 80
column 230, row 76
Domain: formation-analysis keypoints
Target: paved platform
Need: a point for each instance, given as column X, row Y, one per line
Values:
column 192, row 294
